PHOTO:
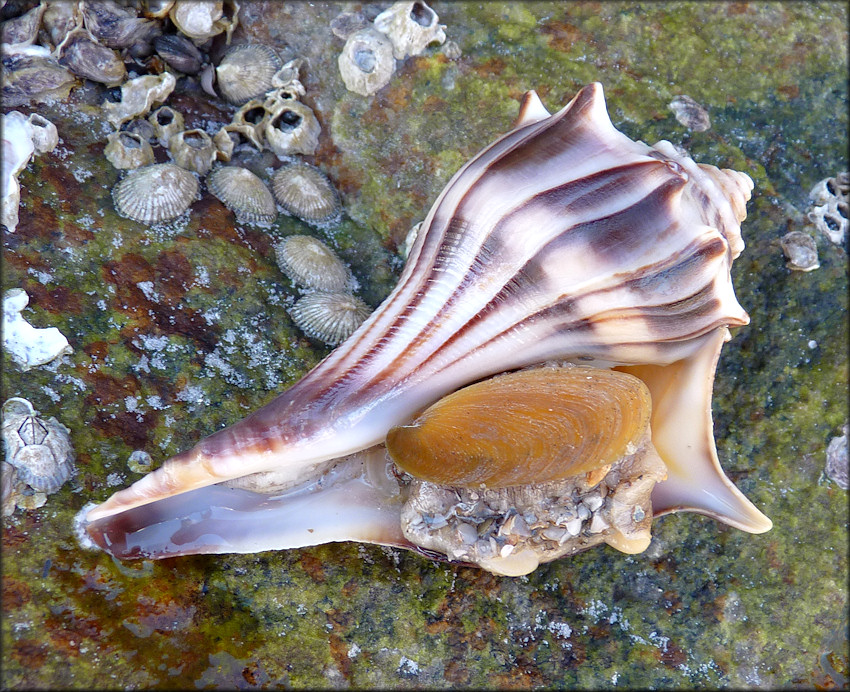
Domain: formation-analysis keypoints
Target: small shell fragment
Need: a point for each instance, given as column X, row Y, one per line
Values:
column 800, row 251
column 366, row 63
column 27, row 345
column 329, row 317
column 411, row 26
column 837, row 464
column 243, row 193
column 304, row 191
column 690, row 114
column 155, row 194
column 308, row 262
column 128, row 150
column 246, row 71
column 138, row 96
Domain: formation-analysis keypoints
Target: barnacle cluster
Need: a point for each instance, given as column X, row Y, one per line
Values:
column 829, row 210
column 368, row 59
column 141, row 50
column 38, row 454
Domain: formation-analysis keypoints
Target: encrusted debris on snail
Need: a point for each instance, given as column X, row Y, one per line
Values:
column 566, row 299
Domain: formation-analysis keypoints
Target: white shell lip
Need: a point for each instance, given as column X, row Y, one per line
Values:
column 626, row 263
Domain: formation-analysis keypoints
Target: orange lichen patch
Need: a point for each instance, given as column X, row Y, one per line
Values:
column 562, row 35
column 96, row 350
column 173, row 276
column 490, row 68
column 130, row 271
column 312, row 565
column 15, row 594
column 163, row 614
column 532, row 426
column 37, row 220
column 60, row 299
column 30, row 653
column 671, row 655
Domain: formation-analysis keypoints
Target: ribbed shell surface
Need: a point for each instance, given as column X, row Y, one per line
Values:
column 564, row 239
column 246, row 72
column 245, row 194
column 155, row 194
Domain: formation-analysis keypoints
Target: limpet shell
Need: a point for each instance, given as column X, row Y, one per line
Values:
column 292, row 129
column 128, row 150
column 550, row 424
column 245, row 194
column 193, row 150
column 312, row 264
column 246, row 72
column 155, row 194
column 329, row 317
column 304, row 191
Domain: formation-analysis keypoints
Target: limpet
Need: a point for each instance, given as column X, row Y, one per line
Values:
column 329, row 317
column 308, row 262
column 243, row 193
column 155, row 194
column 246, row 71
column 304, row 191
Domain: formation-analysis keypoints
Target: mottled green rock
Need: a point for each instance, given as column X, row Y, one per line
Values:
column 179, row 331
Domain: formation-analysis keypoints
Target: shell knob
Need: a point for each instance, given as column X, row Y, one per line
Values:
column 526, row 427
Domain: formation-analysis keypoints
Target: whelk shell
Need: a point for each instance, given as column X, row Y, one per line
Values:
column 243, row 193
column 155, row 194
column 563, row 240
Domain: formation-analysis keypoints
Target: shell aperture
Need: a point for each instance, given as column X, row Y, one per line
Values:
column 563, row 241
